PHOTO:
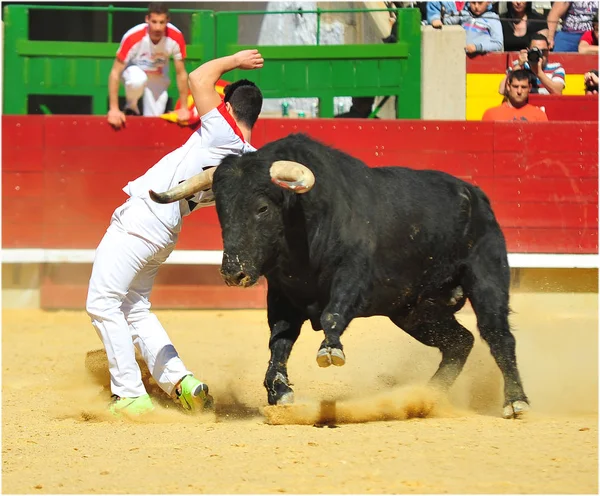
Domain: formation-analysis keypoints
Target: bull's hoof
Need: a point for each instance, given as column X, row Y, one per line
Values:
column 330, row 356
column 515, row 410
column 286, row 399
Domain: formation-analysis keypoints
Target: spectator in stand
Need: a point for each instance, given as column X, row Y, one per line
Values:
column 519, row 23
column 547, row 78
column 361, row 108
column 589, row 40
column 437, row 10
column 591, row 82
column 577, row 19
column 484, row 31
column 142, row 63
column 517, row 106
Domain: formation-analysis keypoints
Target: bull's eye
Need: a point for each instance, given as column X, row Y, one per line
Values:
column 263, row 209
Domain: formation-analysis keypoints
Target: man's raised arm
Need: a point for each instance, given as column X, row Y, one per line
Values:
column 203, row 79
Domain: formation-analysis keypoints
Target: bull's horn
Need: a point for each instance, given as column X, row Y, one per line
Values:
column 292, row 175
column 186, row 188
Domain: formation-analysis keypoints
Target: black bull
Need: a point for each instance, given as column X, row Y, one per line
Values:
column 336, row 240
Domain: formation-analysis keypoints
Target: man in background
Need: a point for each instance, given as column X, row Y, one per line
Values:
column 142, row 63
column 517, row 106
column 547, row 78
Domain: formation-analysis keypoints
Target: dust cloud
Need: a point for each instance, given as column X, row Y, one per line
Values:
column 401, row 403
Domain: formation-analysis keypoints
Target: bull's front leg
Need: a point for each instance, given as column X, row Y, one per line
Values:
column 347, row 296
column 285, row 323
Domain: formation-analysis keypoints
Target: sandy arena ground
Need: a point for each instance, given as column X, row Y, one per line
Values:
column 56, row 437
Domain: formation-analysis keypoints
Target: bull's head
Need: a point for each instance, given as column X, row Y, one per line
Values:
column 249, row 210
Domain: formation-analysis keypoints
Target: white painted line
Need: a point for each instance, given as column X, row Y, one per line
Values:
column 213, row 257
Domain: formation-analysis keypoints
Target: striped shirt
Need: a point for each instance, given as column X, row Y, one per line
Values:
column 137, row 49
column 554, row 70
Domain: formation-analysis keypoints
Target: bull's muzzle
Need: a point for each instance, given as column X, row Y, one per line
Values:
column 237, row 274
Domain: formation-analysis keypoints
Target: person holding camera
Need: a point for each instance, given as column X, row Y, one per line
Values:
column 590, row 80
column 517, row 106
column 547, row 78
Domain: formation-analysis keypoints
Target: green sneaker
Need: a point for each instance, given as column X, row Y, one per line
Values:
column 193, row 395
column 131, row 406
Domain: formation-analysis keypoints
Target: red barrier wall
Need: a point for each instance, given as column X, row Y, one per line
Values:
column 62, row 175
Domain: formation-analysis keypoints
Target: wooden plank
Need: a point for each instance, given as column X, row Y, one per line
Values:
column 95, row 132
column 23, row 131
column 551, row 240
column 73, row 296
column 527, row 189
column 547, row 215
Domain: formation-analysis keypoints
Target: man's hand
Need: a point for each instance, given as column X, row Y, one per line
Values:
column 249, row 59
column 590, row 78
column 437, row 24
column 470, row 48
column 116, row 118
column 540, row 67
column 183, row 115
column 522, row 57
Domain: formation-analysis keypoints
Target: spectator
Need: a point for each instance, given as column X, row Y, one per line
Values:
column 589, row 40
column 361, row 107
column 142, row 63
column 519, row 23
column 517, row 106
column 547, row 78
column 591, row 82
column 484, row 31
column 577, row 19
column 437, row 10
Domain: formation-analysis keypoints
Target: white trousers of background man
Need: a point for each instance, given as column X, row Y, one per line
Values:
column 153, row 89
column 127, row 259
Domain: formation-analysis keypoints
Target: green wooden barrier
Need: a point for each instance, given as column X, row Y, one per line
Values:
column 78, row 68
column 322, row 71
column 326, row 71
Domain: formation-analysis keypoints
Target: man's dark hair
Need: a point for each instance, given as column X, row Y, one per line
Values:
column 519, row 75
column 538, row 36
column 246, row 100
column 158, row 8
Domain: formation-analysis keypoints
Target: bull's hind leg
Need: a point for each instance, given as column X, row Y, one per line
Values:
column 487, row 281
column 452, row 339
column 285, row 323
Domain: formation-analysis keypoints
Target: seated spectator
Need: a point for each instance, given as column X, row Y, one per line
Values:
column 547, row 78
column 484, row 31
column 362, row 107
column 437, row 10
column 591, row 82
column 577, row 19
column 519, row 23
column 589, row 40
column 517, row 106
column 142, row 64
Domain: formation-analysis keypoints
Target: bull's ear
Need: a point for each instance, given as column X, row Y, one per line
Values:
column 292, row 175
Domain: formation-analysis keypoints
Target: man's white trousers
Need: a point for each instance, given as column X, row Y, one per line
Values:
column 133, row 248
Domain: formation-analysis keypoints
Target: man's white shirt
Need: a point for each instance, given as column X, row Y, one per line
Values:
column 217, row 137
column 138, row 49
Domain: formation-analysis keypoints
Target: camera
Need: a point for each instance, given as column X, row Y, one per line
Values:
column 533, row 57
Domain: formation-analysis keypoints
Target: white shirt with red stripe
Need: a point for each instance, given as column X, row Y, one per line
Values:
column 217, row 137
column 138, row 49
